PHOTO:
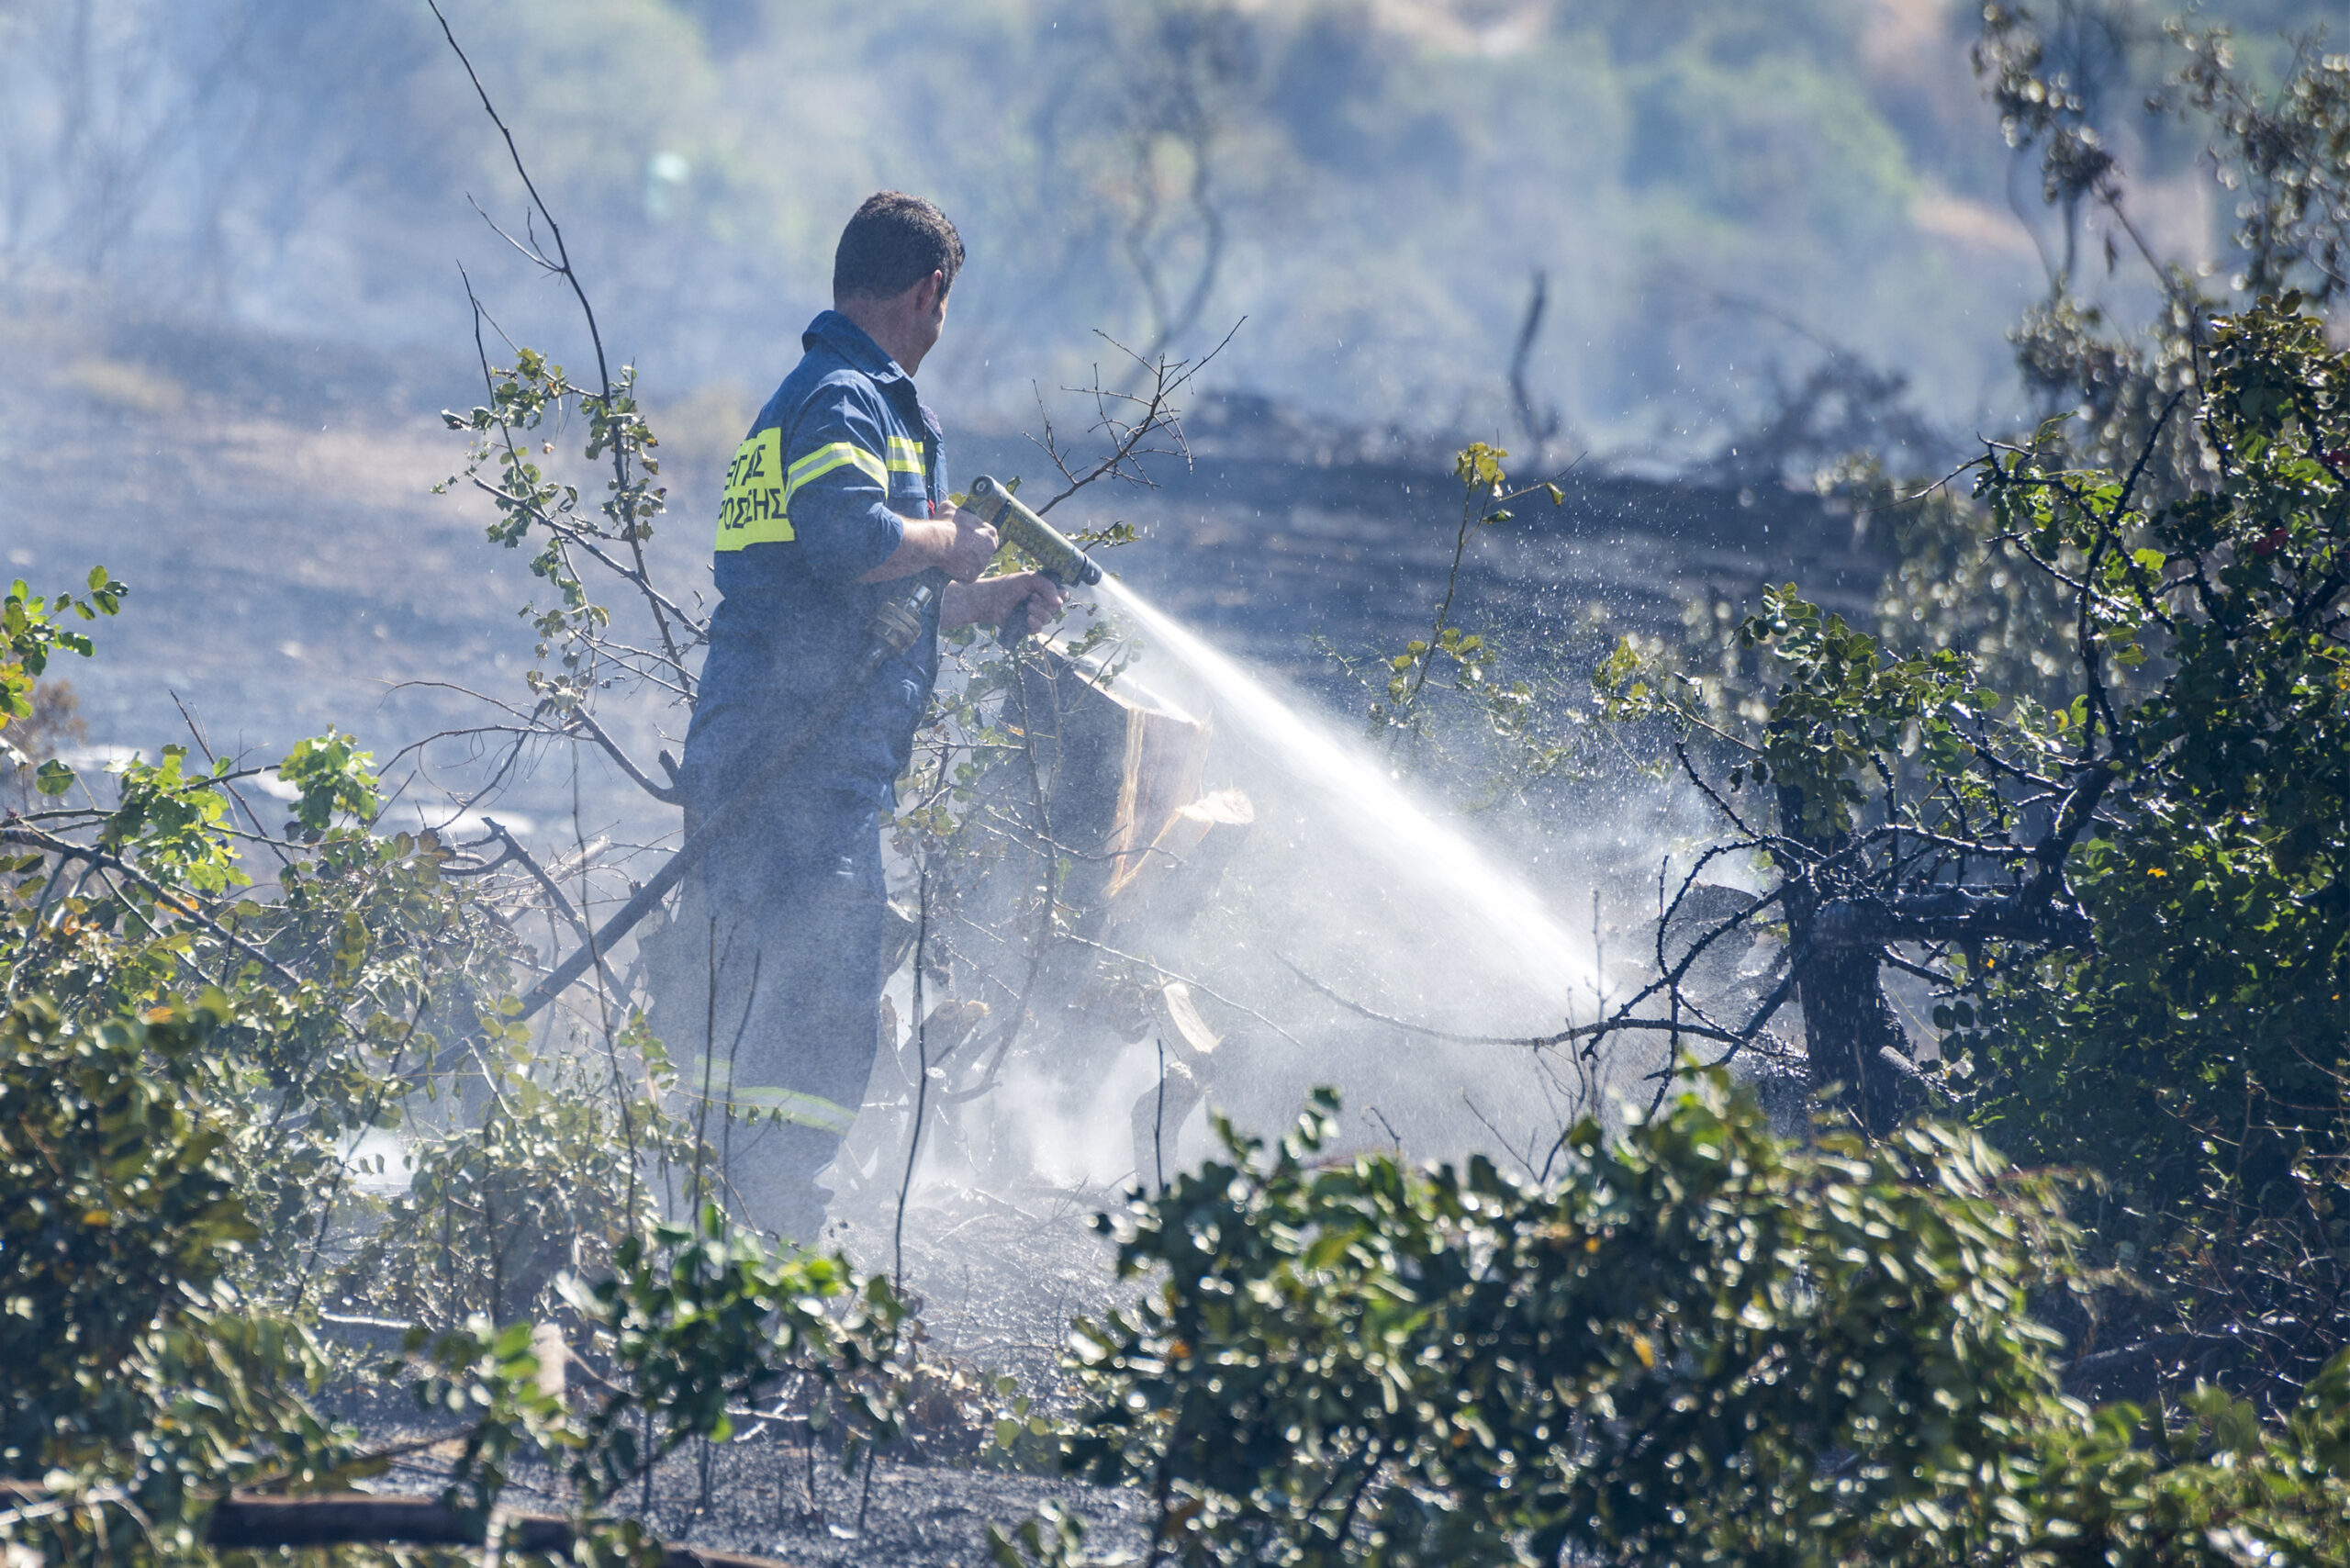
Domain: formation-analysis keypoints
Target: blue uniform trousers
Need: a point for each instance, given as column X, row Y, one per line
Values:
column 798, row 912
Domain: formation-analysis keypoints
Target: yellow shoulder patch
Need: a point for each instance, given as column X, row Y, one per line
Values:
column 752, row 511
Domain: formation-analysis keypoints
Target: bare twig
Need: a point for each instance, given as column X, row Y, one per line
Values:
column 560, row 264
column 1127, row 435
column 175, row 903
column 1198, row 985
column 666, row 794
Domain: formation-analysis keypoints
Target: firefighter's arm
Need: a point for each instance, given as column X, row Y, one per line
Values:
column 991, row 601
column 837, row 494
column 960, row 545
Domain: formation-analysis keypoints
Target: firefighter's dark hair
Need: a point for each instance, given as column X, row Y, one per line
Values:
column 894, row 242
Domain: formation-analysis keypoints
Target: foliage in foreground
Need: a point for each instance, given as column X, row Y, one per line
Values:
column 1703, row 1344
column 144, row 1384
column 137, row 1378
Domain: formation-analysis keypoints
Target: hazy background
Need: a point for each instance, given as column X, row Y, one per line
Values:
column 1719, row 192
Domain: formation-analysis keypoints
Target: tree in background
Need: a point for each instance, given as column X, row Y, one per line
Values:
column 1383, row 179
column 2082, row 789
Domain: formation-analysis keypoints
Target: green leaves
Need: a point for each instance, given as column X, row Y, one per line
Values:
column 1701, row 1345
column 1837, row 707
column 707, row 1315
column 1652, row 1361
column 500, row 1207
column 172, row 824
column 2195, row 1055
column 536, row 507
column 35, row 628
column 1495, row 712
column 1052, row 1538
column 1479, row 469
column 2129, row 698
column 134, row 1370
column 696, row 1319
column 488, row 1378
column 332, row 773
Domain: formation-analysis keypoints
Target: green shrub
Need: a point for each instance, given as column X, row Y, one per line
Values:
column 141, row 1384
column 137, row 1379
column 1703, row 1344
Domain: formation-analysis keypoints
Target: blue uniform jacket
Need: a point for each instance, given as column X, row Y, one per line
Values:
column 813, row 500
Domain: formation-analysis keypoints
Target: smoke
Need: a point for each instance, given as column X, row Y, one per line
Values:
column 1358, row 933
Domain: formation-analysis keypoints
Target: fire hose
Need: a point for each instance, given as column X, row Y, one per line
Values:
column 891, row 631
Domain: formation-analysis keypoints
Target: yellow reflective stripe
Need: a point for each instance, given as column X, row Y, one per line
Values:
column 799, row 469
column 753, row 510
column 783, row 1104
column 905, row 456
column 824, row 459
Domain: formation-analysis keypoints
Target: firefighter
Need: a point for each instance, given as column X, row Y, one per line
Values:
column 833, row 503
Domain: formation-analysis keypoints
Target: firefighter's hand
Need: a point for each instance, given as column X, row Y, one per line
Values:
column 991, row 601
column 972, row 547
column 955, row 542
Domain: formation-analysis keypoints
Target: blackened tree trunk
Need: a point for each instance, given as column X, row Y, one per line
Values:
column 1854, row 1040
column 1858, row 1052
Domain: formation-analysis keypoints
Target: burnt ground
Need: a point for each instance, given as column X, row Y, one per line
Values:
column 1266, row 541
column 996, row 1279
column 765, row 1499
column 269, row 503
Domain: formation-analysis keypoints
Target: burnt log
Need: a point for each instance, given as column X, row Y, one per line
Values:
column 1114, row 771
column 251, row 1522
column 1116, row 802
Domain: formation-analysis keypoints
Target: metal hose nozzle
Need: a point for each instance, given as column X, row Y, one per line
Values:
column 1009, row 517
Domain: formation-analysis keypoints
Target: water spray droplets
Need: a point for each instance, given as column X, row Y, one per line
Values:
column 1420, row 849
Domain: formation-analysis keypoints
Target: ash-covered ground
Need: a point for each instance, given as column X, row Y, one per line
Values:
column 766, row 1499
column 996, row 1279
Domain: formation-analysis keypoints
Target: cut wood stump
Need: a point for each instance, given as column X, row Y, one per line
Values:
column 1118, row 770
